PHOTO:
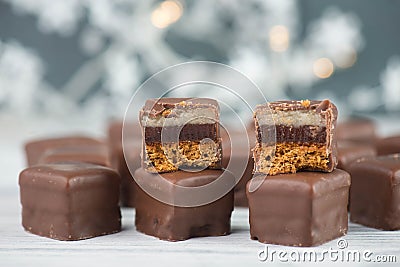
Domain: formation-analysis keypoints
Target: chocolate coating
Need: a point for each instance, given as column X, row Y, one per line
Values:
column 242, row 154
column 302, row 209
column 36, row 148
column 155, row 107
column 292, row 105
column 128, row 184
column 115, row 128
column 356, row 129
column 70, row 201
column 348, row 152
column 95, row 154
column 174, row 223
column 375, row 192
column 133, row 149
column 388, row 145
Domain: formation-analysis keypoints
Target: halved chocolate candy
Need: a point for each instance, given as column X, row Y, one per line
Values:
column 180, row 133
column 294, row 136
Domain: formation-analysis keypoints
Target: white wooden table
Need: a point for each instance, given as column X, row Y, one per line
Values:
column 131, row 248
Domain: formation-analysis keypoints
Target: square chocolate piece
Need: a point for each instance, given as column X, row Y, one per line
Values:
column 388, row 145
column 241, row 153
column 302, row 209
column 357, row 130
column 128, row 183
column 70, row 201
column 375, row 192
column 349, row 151
column 304, row 133
column 180, row 133
column 175, row 223
column 133, row 148
column 36, row 148
column 86, row 153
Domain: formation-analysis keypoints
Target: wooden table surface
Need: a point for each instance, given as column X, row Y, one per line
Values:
column 131, row 248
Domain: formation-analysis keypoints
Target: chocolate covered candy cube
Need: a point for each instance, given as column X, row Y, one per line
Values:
column 302, row 209
column 361, row 130
column 349, row 151
column 70, row 201
column 133, row 143
column 388, row 145
column 375, row 192
column 238, row 157
column 36, row 148
column 87, row 153
column 173, row 223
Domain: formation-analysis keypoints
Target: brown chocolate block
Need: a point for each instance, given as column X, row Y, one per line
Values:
column 242, row 154
column 356, row 129
column 349, row 151
column 133, row 149
column 36, row 148
column 174, row 223
column 302, row 209
column 95, row 154
column 70, row 201
column 304, row 135
column 388, row 145
column 375, row 192
column 115, row 128
column 180, row 133
column 128, row 183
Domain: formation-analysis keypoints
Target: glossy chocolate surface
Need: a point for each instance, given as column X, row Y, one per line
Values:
column 302, row 209
column 70, row 201
column 388, row 145
column 36, row 148
column 156, row 107
column 375, row 192
column 349, row 151
column 292, row 105
column 242, row 154
column 356, row 129
column 117, row 158
column 174, row 223
column 95, row 154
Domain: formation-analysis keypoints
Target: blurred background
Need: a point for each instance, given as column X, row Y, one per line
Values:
column 73, row 64
column 87, row 57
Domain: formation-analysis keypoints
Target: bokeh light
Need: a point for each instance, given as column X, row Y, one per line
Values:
column 279, row 38
column 346, row 59
column 323, row 68
column 166, row 13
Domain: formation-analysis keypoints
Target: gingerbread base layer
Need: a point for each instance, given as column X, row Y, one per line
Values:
column 187, row 154
column 290, row 157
